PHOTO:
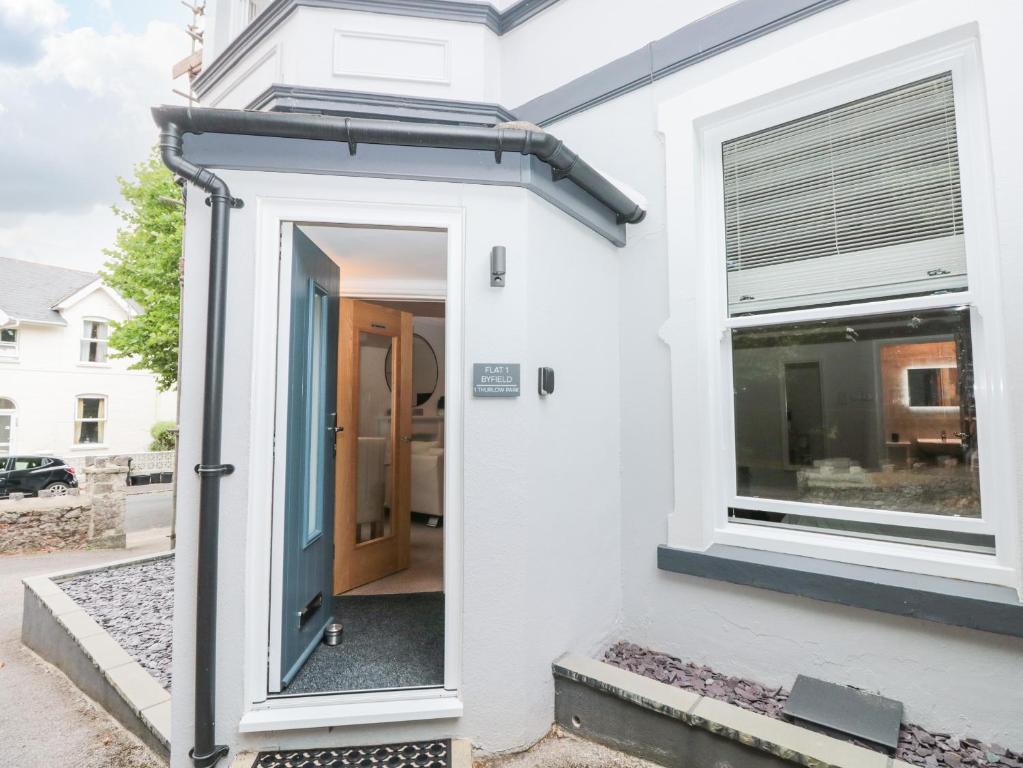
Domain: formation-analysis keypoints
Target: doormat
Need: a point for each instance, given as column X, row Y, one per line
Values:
column 419, row 754
column 390, row 641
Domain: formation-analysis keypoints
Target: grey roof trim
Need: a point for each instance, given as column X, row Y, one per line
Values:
column 262, row 153
column 522, row 12
column 721, row 31
column 328, row 101
column 730, row 27
column 450, row 10
column 986, row 607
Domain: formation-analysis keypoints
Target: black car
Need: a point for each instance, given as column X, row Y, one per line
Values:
column 31, row 474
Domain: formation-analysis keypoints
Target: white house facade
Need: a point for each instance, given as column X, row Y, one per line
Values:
column 733, row 377
column 62, row 393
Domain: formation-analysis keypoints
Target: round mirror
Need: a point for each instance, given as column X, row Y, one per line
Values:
column 425, row 371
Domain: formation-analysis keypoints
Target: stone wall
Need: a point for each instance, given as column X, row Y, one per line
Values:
column 92, row 518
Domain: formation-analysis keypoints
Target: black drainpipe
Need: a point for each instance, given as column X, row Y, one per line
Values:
column 206, row 753
column 173, row 122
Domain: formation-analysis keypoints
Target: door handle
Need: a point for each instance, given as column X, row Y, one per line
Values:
column 336, row 430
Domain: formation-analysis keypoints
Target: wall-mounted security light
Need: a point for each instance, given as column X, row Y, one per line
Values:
column 545, row 382
column 497, row 266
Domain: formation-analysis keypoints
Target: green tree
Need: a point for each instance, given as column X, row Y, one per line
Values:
column 143, row 267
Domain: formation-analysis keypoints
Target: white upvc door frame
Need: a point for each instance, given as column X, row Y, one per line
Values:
column 262, row 712
column 816, row 74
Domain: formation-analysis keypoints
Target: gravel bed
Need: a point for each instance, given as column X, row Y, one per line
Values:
column 917, row 745
column 135, row 604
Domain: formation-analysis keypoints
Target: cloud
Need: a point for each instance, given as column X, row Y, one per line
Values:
column 78, row 118
column 22, row 25
column 33, row 14
column 119, row 64
column 68, row 240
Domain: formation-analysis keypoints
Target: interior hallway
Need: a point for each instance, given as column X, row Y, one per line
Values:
column 425, row 572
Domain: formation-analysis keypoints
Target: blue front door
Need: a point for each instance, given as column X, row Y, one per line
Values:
column 309, row 473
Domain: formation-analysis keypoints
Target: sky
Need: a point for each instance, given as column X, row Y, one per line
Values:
column 77, row 79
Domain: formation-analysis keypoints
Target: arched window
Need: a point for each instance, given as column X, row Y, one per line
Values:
column 8, row 417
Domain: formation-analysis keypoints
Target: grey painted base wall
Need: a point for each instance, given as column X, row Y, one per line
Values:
column 41, row 632
column 622, row 725
column 986, row 607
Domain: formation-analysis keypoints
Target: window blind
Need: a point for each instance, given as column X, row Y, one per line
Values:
column 854, row 203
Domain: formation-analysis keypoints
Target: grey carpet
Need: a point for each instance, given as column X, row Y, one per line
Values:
column 390, row 641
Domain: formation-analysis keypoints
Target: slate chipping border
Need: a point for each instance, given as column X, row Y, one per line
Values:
column 917, row 745
column 134, row 603
column 61, row 632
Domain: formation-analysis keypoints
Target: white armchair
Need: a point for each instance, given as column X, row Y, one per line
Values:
column 428, row 479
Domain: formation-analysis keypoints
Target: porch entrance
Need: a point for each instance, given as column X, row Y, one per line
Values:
column 360, row 516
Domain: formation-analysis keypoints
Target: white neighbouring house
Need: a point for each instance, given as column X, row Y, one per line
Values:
column 62, row 393
column 782, row 318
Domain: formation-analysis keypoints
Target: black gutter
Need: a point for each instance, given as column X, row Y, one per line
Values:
column 176, row 121
column 564, row 163
column 206, row 752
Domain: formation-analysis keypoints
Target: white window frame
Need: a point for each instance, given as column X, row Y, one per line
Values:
column 791, row 84
column 101, row 421
column 263, row 712
column 105, row 362
column 14, row 347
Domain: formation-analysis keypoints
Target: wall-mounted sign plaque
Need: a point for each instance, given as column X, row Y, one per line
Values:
column 495, row 380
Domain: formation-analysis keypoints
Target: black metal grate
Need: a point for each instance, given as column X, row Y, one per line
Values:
column 420, row 754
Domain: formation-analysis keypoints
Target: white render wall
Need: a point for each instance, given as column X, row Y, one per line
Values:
column 950, row 679
column 48, row 377
column 541, row 487
column 377, row 53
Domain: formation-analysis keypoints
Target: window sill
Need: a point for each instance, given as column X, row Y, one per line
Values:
column 93, row 365
column 328, row 714
column 986, row 607
column 90, row 447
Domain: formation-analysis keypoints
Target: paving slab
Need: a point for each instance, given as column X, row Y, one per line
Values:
column 561, row 750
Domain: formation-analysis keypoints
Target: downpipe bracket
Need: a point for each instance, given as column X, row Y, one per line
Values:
column 235, row 202
column 214, row 469
column 211, row 759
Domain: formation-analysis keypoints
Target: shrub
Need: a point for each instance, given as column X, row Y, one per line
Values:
column 164, row 436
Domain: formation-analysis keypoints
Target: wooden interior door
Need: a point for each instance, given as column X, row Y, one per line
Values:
column 373, row 473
